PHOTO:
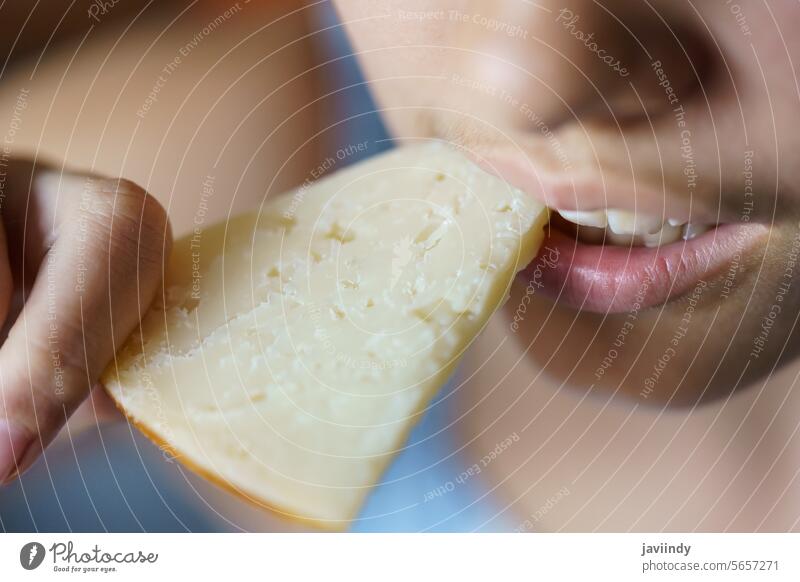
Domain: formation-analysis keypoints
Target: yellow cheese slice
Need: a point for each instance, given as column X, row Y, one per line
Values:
column 295, row 347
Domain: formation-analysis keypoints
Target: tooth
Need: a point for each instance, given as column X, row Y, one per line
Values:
column 595, row 218
column 621, row 240
column 676, row 222
column 668, row 234
column 624, row 222
column 691, row 231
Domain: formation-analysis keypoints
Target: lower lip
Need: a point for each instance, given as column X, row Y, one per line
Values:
column 611, row 279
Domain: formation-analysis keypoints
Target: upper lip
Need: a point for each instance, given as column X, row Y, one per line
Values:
column 588, row 190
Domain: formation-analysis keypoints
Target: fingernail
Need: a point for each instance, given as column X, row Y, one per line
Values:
column 14, row 443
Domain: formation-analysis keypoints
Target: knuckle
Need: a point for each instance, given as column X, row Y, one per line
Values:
column 135, row 223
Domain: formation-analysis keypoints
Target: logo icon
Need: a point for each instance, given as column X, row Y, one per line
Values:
column 31, row 555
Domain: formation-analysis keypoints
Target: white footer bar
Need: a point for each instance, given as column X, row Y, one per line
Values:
column 401, row 557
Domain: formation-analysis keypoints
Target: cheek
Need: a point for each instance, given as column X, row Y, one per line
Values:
column 407, row 74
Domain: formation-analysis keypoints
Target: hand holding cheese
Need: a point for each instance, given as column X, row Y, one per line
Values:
column 295, row 347
column 70, row 245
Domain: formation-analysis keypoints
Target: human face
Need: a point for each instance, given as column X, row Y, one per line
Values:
column 668, row 126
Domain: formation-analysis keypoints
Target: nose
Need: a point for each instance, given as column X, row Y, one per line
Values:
column 551, row 62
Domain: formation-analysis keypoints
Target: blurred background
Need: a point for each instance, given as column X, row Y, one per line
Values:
column 260, row 96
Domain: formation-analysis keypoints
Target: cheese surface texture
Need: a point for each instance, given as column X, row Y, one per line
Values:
column 293, row 348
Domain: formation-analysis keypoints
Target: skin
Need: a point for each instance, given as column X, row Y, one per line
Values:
column 618, row 130
column 71, row 244
column 436, row 75
column 70, row 123
column 621, row 131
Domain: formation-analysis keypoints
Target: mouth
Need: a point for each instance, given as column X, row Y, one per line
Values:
column 616, row 262
column 602, row 257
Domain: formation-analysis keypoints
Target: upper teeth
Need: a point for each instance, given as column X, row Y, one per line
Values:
column 596, row 218
column 669, row 233
column 625, row 225
column 623, row 222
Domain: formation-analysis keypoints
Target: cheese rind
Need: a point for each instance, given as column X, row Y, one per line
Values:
column 295, row 347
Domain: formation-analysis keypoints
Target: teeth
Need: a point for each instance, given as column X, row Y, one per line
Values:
column 633, row 223
column 624, row 228
column 594, row 218
column 668, row 234
column 690, row 231
column 619, row 221
column 620, row 240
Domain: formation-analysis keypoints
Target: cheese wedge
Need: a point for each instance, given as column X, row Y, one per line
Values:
column 295, row 347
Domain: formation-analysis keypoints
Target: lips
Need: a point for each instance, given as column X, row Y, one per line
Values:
column 602, row 257
column 618, row 279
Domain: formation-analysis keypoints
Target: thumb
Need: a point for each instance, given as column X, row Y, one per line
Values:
column 95, row 250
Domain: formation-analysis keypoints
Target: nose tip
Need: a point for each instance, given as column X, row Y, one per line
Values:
column 542, row 62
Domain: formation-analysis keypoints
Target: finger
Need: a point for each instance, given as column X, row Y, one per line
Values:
column 97, row 249
column 97, row 409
